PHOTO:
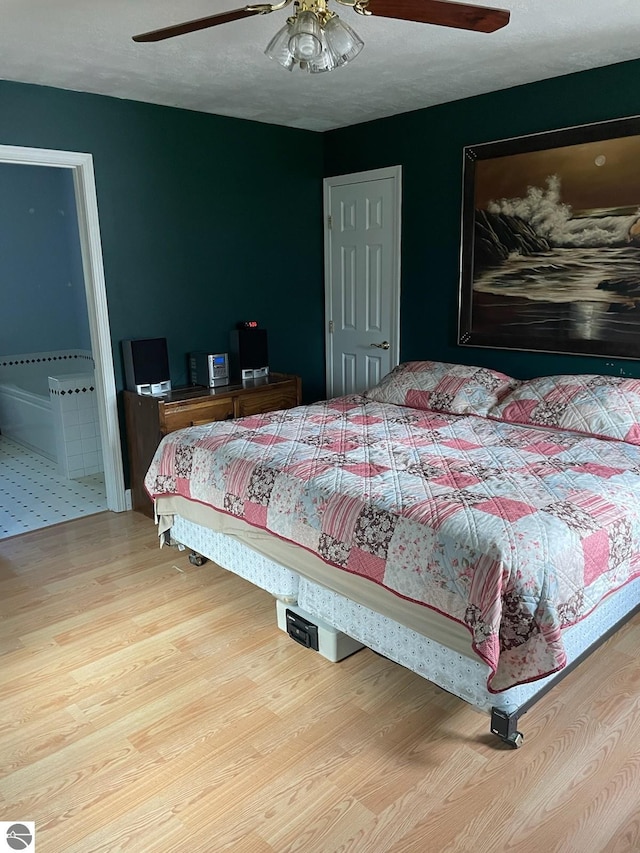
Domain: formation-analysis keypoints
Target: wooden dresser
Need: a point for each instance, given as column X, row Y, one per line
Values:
column 148, row 418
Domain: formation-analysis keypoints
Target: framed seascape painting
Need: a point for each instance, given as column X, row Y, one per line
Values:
column 551, row 242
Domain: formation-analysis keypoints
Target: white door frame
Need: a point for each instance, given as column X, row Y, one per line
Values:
column 91, row 248
column 394, row 172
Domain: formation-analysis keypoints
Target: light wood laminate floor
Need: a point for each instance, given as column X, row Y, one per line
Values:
column 151, row 705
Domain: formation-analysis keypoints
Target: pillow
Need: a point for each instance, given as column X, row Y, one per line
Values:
column 603, row 406
column 434, row 385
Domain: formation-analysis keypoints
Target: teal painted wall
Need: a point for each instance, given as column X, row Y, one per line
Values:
column 428, row 144
column 41, row 278
column 205, row 220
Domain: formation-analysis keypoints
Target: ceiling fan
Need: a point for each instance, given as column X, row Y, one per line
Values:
column 315, row 39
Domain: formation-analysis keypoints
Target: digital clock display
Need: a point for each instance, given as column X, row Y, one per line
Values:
column 248, row 324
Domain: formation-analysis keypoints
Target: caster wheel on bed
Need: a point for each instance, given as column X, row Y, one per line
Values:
column 197, row 559
column 515, row 740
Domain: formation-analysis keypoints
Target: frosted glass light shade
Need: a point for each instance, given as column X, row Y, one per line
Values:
column 342, row 40
column 305, row 41
column 327, row 60
column 278, row 48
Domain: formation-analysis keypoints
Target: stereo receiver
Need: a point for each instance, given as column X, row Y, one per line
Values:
column 209, row 369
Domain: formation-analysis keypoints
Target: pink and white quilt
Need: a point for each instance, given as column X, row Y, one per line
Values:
column 516, row 532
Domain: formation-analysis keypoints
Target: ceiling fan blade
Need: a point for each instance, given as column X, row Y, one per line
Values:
column 199, row 24
column 443, row 13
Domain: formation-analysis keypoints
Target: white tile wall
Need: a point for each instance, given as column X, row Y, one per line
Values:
column 75, row 418
column 30, row 370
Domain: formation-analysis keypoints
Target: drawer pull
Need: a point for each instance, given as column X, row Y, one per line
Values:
column 208, row 419
column 200, row 422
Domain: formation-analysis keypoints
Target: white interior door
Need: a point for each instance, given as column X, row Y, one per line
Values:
column 362, row 278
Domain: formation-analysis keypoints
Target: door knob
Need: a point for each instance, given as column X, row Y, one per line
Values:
column 383, row 345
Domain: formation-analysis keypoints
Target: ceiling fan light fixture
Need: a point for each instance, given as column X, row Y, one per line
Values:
column 342, row 40
column 316, row 40
column 305, row 40
column 278, row 48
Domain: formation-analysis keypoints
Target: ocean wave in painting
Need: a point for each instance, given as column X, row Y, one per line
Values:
column 554, row 221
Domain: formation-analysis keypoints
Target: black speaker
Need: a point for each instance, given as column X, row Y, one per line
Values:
column 249, row 353
column 146, row 365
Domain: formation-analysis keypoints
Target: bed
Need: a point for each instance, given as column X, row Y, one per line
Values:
column 482, row 531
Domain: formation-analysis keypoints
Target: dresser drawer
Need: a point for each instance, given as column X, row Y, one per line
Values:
column 197, row 412
column 269, row 400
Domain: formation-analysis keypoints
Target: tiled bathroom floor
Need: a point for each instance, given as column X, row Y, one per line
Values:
column 33, row 494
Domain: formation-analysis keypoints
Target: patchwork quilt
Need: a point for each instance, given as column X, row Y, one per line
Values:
column 515, row 532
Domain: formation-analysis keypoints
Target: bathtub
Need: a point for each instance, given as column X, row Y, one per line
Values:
column 25, row 417
column 25, row 402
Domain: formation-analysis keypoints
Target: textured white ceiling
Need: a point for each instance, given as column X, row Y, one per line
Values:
column 85, row 45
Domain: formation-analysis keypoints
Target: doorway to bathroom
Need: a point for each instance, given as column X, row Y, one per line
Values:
column 60, row 454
